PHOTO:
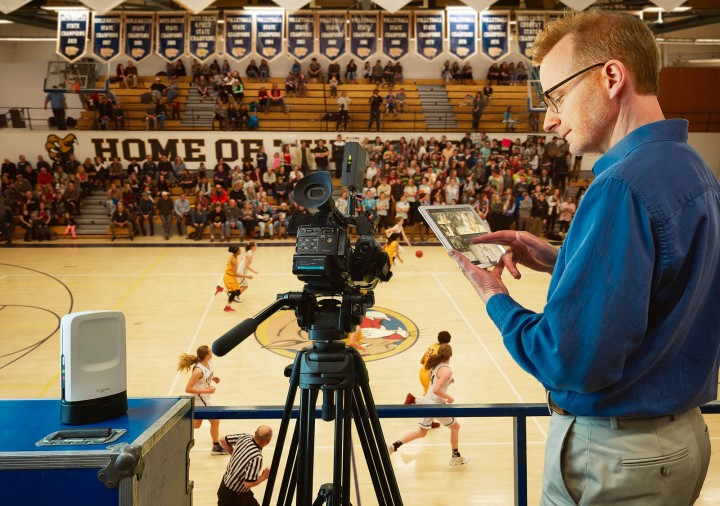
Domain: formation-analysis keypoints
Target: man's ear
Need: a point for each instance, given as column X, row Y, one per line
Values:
column 614, row 78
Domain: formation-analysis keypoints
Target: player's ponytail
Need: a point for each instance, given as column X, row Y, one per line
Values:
column 187, row 361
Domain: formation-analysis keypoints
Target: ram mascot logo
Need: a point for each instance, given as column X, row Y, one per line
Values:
column 60, row 149
column 384, row 333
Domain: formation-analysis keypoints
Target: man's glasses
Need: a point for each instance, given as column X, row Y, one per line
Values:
column 554, row 106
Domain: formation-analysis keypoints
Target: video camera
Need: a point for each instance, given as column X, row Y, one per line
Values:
column 324, row 258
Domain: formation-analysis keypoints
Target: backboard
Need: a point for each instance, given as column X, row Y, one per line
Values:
column 75, row 77
column 536, row 101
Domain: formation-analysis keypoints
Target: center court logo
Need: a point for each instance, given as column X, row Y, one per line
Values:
column 384, row 333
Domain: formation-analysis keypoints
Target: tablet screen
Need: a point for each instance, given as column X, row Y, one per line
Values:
column 456, row 226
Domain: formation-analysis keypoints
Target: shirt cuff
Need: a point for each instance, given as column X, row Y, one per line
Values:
column 499, row 307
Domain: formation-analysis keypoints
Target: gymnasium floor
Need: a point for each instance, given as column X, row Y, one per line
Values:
column 165, row 289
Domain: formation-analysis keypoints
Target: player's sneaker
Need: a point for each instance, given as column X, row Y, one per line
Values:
column 409, row 399
column 218, row 289
column 217, row 449
column 228, row 309
column 459, row 460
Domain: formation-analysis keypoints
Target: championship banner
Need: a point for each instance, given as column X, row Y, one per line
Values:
column 72, row 34
column 395, row 34
column 238, row 34
column 171, row 36
column 462, row 28
column 363, row 34
column 106, row 36
column 202, row 36
column 429, row 33
column 332, row 34
column 529, row 24
column 301, row 35
column 495, row 33
column 139, row 36
column 269, row 34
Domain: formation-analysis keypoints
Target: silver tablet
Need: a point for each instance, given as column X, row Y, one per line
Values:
column 456, row 226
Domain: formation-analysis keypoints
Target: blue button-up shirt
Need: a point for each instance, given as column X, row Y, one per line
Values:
column 632, row 320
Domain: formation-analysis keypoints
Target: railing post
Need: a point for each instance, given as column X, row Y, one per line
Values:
column 520, row 446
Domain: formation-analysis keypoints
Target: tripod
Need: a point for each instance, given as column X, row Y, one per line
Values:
column 340, row 373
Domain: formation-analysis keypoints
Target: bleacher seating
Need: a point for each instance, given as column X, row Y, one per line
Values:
column 308, row 113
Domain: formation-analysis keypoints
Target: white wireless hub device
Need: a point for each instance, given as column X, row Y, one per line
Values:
column 93, row 367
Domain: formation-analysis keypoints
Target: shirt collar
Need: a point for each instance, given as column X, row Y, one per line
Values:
column 675, row 130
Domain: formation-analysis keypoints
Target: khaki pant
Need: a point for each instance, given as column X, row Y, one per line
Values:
column 626, row 461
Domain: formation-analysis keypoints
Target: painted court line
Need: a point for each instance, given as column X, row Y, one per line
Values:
column 191, row 346
column 487, row 351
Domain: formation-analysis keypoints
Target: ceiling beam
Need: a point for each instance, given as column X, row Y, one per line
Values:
column 700, row 19
column 48, row 23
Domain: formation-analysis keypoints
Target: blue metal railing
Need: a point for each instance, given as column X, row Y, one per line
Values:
column 518, row 412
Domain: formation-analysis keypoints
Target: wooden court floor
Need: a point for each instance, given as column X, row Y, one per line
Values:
column 165, row 290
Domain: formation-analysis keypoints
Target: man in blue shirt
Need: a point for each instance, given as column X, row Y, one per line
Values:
column 58, row 104
column 628, row 344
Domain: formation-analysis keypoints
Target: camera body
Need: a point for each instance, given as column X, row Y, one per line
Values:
column 324, row 258
column 326, row 262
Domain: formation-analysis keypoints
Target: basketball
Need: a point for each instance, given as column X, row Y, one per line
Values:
column 419, row 253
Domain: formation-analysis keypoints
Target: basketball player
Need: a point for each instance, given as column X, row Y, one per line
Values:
column 438, row 366
column 237, row 271
column 200, row 385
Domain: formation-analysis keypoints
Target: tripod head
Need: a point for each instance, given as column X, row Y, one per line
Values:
column 327, row 319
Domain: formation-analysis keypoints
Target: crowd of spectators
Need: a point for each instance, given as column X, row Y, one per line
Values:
column 507, row 73
column 456, row 74
column 37, row 196
column 513, row 184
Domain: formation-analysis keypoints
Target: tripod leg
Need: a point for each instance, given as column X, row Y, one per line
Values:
column 347, row 445
column 371, row 437
column 282, row 432
column 306, row 446
column 343, row 447
column 289, row 481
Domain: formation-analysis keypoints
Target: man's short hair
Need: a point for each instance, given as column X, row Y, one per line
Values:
column 601, row 35
column 443, row 337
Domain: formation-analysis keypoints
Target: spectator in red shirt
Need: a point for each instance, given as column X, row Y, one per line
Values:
column 219, row 196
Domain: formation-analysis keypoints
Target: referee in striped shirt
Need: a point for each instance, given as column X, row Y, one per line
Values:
column 244, row 469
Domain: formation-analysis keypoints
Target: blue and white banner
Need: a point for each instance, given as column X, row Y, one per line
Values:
column 363, row 34
column 202, row 36
column 331, row 27
column 171, row 36
column 72, row 34
column 269, row 34
column 429, row 33
column 139, row 36
column 529, row 24
column 395, row 34
column 106, row 36
column 301, row 34
column 495, row 27
column 238, row 34
column 462, row 32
